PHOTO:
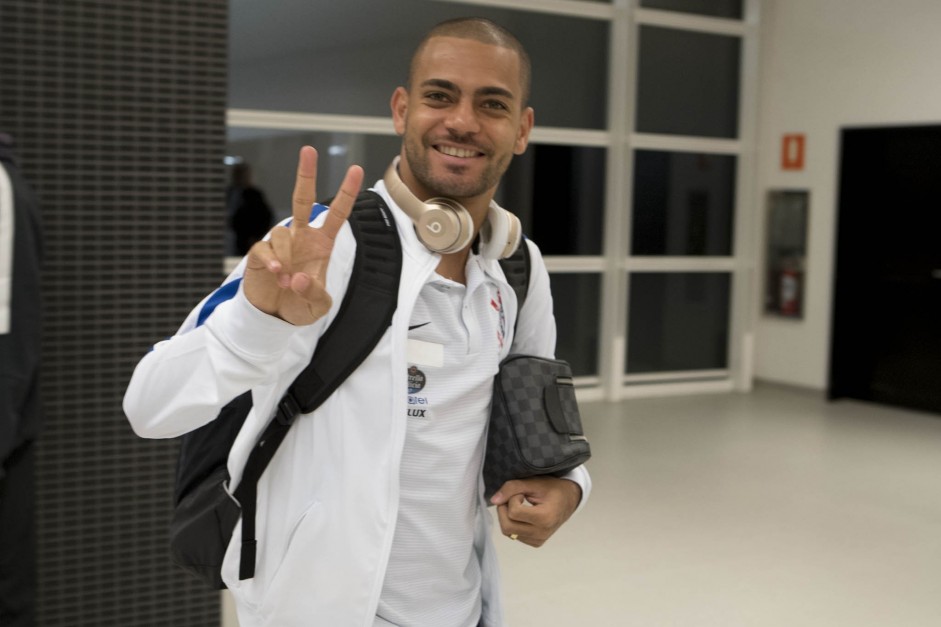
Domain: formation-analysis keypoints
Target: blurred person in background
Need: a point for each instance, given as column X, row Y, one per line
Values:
column 20, row 410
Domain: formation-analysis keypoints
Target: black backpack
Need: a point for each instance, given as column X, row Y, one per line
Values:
column 205, row 514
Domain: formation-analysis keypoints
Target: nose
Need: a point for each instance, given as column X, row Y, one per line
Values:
column 462, row 118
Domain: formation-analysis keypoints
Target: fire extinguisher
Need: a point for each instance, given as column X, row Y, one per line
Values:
column 790, row 291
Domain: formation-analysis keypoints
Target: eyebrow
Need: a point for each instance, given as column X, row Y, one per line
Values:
column 483, row 91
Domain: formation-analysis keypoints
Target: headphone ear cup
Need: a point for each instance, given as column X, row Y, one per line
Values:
column 441, row 224
column 444, row 226
column 501, row 234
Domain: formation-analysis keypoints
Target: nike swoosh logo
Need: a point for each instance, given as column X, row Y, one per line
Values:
column 418, row 326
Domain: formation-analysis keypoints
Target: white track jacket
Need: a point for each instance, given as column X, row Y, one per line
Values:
column 328, row 502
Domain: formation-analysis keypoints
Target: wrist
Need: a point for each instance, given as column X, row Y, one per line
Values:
column 574, row 491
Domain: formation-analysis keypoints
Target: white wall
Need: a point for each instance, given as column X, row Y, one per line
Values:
column 827, row 64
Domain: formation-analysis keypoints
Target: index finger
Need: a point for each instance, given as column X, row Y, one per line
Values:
column 305, row 187
column 342, row 204
column 520, row 510
column 509, row 526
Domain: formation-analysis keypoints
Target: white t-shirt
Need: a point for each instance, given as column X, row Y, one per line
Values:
column 455, row 336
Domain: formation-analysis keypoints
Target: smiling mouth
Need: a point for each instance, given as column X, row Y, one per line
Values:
column 463, row 153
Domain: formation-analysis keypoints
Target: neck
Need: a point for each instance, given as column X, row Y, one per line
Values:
column 453, row 266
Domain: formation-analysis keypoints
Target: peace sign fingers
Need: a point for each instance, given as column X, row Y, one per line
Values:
column 286, row 274
column 305, row 194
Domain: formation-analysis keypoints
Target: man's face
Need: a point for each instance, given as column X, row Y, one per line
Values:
column 462, row 119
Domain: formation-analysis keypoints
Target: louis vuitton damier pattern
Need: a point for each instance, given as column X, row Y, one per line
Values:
column 535, row 425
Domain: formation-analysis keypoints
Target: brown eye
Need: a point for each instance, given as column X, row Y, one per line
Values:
column 496, row 105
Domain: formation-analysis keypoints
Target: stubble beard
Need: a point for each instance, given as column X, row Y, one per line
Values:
column 455, row 187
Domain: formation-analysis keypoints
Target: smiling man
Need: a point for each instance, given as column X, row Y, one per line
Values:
column 372, row 513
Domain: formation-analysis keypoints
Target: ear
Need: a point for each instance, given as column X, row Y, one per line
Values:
column 399, row 106
column 527, row 119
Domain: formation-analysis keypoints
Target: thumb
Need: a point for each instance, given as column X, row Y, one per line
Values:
column 499, row 498
column 507, row 491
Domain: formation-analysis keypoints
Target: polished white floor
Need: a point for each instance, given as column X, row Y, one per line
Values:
column 769, row 509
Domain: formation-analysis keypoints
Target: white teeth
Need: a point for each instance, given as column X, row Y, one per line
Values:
column 457, row 152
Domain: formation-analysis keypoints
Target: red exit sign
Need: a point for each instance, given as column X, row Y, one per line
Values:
column 792, row 151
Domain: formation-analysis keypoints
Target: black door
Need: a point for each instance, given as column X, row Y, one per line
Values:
column 887, row 300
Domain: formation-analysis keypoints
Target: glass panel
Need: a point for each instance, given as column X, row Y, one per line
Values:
column 577, row 306
column 348, row 57
column 558, row 194
column 688, row 83
column 683, row 204
column 570, row 212
column 678, row 321
column 272, row 158
column 713, row 8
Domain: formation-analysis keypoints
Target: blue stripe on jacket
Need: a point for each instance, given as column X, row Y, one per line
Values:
column 224, row 293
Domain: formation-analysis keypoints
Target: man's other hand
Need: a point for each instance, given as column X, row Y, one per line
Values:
column 531, row 510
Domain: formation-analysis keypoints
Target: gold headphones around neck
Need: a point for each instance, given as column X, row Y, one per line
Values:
column 444, row 226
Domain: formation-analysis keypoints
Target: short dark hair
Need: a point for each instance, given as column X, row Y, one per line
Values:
column 485, row 31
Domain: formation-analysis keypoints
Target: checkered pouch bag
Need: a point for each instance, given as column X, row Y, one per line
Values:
column 535, row 427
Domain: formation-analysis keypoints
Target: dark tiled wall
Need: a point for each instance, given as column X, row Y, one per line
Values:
column 118, row 111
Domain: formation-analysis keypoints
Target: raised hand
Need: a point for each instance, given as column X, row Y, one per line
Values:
column 286, row 274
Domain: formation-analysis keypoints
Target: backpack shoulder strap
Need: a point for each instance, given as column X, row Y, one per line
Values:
column 362, row 319
column 367, row 309
column 516, row 269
